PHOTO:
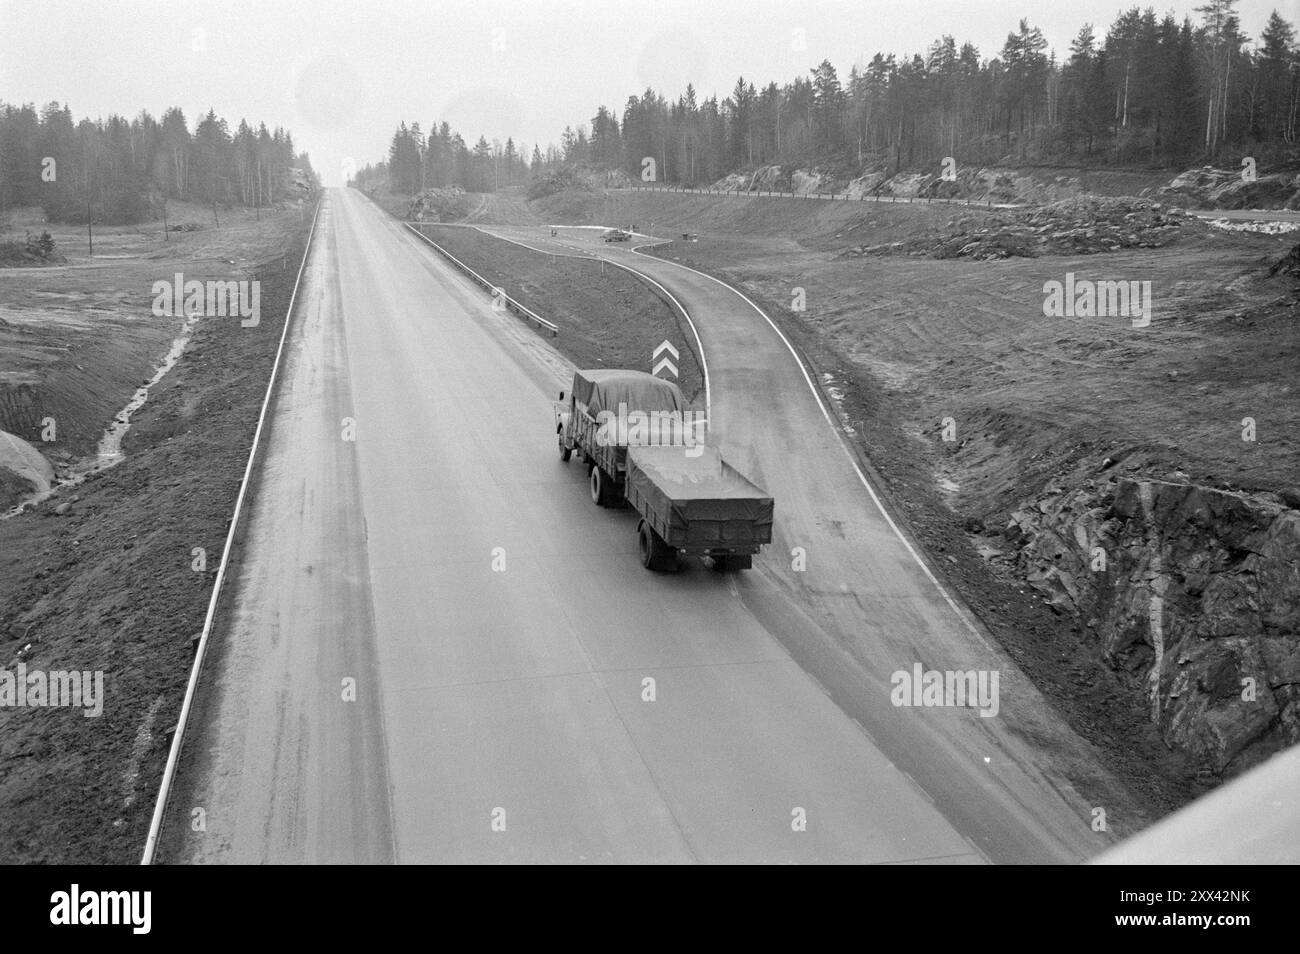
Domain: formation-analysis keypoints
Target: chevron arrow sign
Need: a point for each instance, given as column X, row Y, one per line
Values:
column 665, row 362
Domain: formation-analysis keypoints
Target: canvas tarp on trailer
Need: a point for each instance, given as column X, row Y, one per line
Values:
column 697, row 499
column 605, row 389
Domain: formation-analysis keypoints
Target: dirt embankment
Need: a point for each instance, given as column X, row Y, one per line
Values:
column 108, row 576
column 80, row 337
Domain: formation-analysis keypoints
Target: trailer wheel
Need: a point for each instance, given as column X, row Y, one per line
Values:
column 601, row 494
column 655, row 553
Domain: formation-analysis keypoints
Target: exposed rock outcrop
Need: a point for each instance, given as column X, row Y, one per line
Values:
column 1211, row 188
column 1193, row 591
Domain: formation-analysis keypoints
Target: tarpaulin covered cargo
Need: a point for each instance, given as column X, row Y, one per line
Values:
column 604, row 389
column 697, row 502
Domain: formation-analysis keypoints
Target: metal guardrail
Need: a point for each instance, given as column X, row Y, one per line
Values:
column 523, row 311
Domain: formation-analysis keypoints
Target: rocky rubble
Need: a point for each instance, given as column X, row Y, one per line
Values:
column 1203, row 188
column 1191, row 590
column 1070, row 227
column 978, row 184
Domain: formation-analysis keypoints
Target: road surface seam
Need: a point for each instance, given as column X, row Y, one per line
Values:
column 542, row 677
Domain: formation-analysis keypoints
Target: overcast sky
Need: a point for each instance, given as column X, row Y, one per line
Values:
column 341, row 75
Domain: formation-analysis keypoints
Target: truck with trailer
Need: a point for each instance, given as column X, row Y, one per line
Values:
column 643, row 447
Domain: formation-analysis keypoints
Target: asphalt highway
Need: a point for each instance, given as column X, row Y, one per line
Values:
column 439, row 650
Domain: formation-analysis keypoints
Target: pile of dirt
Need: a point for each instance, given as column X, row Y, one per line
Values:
column 1082, row 226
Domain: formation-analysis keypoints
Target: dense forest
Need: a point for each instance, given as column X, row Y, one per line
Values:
column 442, row 159
column 121, row 171
column 1152, row 90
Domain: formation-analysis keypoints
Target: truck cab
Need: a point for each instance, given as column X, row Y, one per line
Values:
column 600, row 420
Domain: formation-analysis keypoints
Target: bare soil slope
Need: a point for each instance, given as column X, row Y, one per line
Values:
column 105, row 576
column 77, row 339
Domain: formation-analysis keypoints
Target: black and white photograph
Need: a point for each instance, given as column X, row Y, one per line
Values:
column 833, row 432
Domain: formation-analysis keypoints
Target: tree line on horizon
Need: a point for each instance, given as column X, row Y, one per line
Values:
column 1152, row 90
column 443, row 159
column 121, row 171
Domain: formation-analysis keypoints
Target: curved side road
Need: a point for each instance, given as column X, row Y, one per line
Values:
column 878, row 609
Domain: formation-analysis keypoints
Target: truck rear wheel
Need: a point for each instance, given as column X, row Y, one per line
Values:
column 655, row 553
column 602, row 494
